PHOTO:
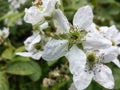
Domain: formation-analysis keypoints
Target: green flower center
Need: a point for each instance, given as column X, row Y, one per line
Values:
column 75, row 35
column 91, row 57
column 37, row 46
column 113, row 43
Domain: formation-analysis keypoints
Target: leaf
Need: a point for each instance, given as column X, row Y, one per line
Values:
column 51, row 63
column 4, row 84
column 8, row 53
column 19, row 58
column 36, row 75
column 20, row 68
column 116, row 73
column 20, row 49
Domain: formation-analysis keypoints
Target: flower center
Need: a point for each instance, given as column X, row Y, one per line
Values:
column 75, row 35
column 113, row 43
column 37, row 46
column 91, row 57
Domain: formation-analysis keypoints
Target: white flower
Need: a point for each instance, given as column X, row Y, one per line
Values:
column 30, row 47
column 86, row 67
column 112, row 34
column 36, row 14
column 15, row 4
column 82, row 21
column 4, row 34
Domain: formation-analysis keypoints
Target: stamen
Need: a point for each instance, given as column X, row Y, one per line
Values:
column 76, row 35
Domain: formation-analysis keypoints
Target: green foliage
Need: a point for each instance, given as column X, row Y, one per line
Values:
column 4, row 84
column 37, row 73
column 116, row 73
column 4, row 8
column 20, row 68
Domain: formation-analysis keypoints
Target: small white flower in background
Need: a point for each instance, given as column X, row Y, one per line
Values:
column 30, row 47
column 15, row 4
column 36, row 14
column 112, row 34
column 87, row 66
column 82, row 21
column 4, row 34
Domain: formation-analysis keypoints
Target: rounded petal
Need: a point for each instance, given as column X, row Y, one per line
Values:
column 94, row 40
column 104, row 77
column 83, row 17
column 82, row 80
column 33, row 15
column 49, row 7
column 112, row 32
column 76, row 59
column 109, row 54
column 55, row 49
column 61, row 22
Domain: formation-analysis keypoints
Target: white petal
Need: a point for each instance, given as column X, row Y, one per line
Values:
column 94, row 40
column 24, row 54
column 104, row 77
column 116, row 62
column 103, row 30
column 72, row 87
column 49, row 8
column 33, row 15
column 112, row 32
column 5, row 32
column 36, row 55
column 109, row 54
column 83, row 17
column 117, row 39
column 33, row 55
column 76, row 59
column 119, row 49
column 55, row 49
column 61, row 22
column 30, row 41
column 82, row 80
column 44, row 25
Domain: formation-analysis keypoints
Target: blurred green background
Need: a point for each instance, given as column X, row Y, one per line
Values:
column 21, row 73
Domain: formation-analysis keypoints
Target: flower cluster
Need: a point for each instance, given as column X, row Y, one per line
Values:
column 85, row 45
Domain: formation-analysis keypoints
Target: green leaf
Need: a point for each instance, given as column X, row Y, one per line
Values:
column 4, row 84
column 116, row 73
column 36, row 75
column 20, row 49
column 20, row 68
column 52, row 63
column 19, row 58
column 8, row 53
